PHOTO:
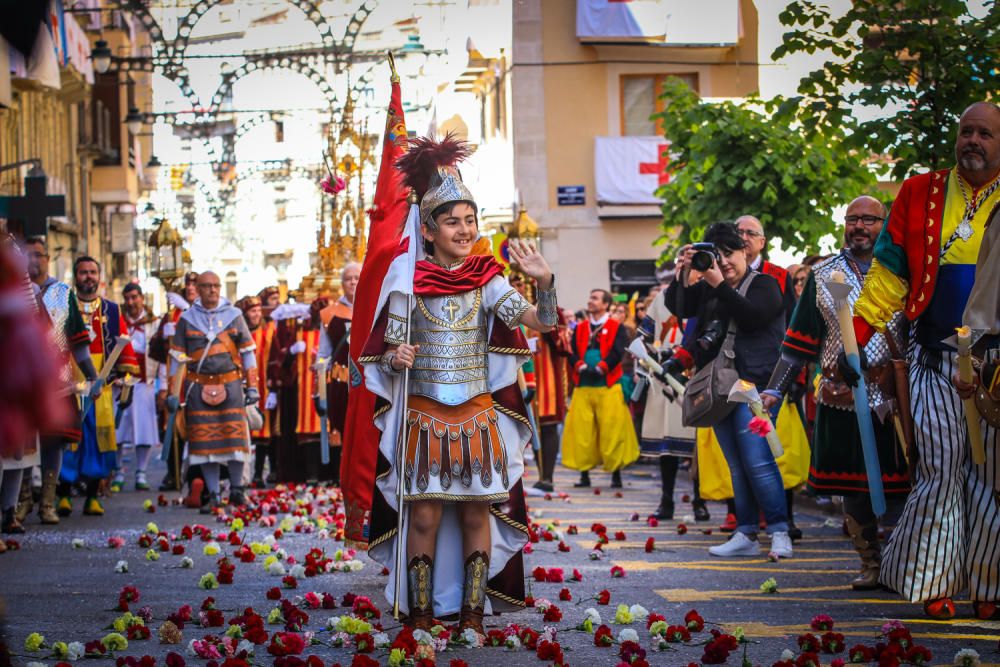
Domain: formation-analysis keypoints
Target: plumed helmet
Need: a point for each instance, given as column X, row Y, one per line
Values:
column 430, row 169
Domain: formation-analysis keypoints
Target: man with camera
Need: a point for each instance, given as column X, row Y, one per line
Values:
column 813, row 336
column 752, row 232
column 599, row 427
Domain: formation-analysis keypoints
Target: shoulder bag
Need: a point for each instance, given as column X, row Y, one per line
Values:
column 706, row 395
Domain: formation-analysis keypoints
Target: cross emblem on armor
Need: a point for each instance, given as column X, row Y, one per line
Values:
column 449, row 309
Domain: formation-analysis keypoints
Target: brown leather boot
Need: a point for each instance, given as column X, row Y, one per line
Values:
column 47, row 507
column 420, row 577
column 866, row 543
column 24, row 500
column 477, row 568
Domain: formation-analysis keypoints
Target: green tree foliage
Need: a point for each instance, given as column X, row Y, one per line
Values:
column 909, row 67
column 757, row 158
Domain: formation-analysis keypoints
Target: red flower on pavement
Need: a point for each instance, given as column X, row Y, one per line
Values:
column 565, row 595
column 286, row 643
column 539, row 574
column 604, row 597
column 617, row 571
column 597, row 492
column 832, row 642
column 694, row 621
column 364, row 642
column 620, row 535
column 549, row 651
column 552, row 615
column 682, row 529
column 458, row 662
column 808, row 659
column 126, row 595
column 329, row 602
column 650, row 545
column 918, row 655
column 677, row 633
column 652, row 521
column 554, row 575
column 288, row 581
column 572, row 530
column 529, row 638
column 175, row 660
column 653, row 618
column 362, row 660
column 603, row 637
column 577, row 576
column 178, row 549
column 598, row 528
column 821, row 623
column 563, row 547
column 274, row 593
column 808, row 643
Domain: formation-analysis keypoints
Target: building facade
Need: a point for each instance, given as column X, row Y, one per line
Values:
column 587, row 158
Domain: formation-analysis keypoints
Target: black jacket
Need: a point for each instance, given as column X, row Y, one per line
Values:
column 759, row 318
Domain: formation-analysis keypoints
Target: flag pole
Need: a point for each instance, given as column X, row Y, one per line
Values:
column 400, row 456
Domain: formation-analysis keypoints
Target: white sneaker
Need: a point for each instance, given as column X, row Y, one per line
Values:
column 738, row 545
column 781, row 545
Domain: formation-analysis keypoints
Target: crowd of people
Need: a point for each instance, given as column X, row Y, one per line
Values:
column 256, row 392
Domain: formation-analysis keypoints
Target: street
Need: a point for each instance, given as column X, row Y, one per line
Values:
column 69, row 593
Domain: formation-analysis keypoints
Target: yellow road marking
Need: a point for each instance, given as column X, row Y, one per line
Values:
column 645, row 566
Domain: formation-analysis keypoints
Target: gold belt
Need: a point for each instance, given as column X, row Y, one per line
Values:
column 223, row 378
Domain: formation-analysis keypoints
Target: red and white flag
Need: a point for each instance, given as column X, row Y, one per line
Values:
column 361, row 438
column 628, row 170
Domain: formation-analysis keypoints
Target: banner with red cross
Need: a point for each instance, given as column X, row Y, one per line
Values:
column 628, row 170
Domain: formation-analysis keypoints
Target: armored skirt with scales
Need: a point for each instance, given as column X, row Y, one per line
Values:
column 838, row 466
column 464, row 432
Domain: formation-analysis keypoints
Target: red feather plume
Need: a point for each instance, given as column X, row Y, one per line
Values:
column 425, row 156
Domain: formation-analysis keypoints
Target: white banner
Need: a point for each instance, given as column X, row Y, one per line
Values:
column 677, row 22
column 628, row 170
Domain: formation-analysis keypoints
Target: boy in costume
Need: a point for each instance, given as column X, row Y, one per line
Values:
column 465, row 425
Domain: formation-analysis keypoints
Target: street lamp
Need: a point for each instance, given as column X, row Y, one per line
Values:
column 168, row 257
column 154, row 162
column 101, row 55
column 133, row 120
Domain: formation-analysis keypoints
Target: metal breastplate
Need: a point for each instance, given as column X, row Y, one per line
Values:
column 56, row 300
column 877, row 349
column 451, row 331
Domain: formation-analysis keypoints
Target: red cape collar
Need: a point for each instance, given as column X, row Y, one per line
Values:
column 430, row 279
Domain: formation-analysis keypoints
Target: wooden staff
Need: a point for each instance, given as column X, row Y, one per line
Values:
column 966, row 374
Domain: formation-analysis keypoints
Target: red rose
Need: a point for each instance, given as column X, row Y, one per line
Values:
column 603, row 637
column 274, row 593
column 604, row 597
column 565, row 595
column 539, row 574
column 650, row 545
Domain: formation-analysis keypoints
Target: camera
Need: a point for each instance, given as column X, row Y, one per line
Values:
column 705, row 254
column 712, row 336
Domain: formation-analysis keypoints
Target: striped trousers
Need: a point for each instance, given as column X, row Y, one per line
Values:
column 948, row 537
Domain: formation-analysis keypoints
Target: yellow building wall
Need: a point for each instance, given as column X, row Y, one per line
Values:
column 580, row 99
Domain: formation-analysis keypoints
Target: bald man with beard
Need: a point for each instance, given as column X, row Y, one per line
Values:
column 947, row 539
column 213, row 340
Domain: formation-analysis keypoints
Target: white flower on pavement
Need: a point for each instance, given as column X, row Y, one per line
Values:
column 967, row 657
column 78, row 543
column 593, row 615
column 121, row 567
column 628, row 635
